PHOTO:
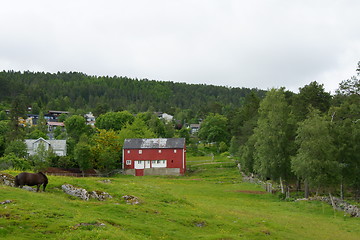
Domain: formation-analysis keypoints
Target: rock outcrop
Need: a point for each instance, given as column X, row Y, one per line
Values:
column 7, row 179
column 84, row 194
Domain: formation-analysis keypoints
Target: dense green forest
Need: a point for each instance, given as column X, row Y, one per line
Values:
column 78, row 91
column 306, row 141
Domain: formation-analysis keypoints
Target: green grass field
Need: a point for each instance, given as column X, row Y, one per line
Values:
column 210, row 202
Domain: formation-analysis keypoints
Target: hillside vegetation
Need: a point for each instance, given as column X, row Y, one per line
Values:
column 309, row 139
column 73, row 90
column 210, row 202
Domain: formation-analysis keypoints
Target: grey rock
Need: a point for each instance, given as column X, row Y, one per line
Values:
column 84, row 194
column 76, row 192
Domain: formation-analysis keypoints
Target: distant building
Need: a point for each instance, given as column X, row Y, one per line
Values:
column 57, row 113
column 53, row 125
column 154, row 156
column 166, row 117
column 90, row 119
column 194, row 128
column 32, row 120
column 57, row 146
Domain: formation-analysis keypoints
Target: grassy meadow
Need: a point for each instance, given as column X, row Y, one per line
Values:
column 210, row 202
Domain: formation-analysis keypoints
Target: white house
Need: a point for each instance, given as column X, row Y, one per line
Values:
column 57, row 146
column 90, row 119
column 167, row 117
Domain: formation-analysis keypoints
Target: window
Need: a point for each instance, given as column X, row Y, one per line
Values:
column 160, row 151
column 128, row 151
column 140, row 151
column 174, row 150
column 128, row 162
column 158, row 163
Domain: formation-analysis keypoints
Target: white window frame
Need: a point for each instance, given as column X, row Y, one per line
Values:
column 140, row 151
column 158, row 163
column 174, row 150
column 128, row 162
column 138, row 164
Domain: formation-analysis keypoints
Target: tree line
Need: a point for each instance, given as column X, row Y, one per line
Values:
column 78, row 92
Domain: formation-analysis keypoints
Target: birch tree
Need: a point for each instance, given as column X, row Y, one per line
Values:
column 273, row 137
column 315, row 161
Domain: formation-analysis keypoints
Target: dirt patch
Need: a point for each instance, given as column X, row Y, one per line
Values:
column 97, row 224
column 249, row 192
column 6, row 215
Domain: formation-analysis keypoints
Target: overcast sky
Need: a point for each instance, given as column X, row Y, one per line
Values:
column 235, row 43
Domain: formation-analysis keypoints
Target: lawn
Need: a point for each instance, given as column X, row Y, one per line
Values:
column 210, row 202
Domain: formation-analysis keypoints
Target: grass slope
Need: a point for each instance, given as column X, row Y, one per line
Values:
column 209, row 203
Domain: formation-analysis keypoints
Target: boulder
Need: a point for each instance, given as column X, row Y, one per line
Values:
column 131, row 199
column 99, row 195
column 6, row 202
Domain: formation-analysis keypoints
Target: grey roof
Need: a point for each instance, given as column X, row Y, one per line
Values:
column 137, row 143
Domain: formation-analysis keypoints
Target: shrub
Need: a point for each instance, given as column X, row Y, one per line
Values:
column 11, row 161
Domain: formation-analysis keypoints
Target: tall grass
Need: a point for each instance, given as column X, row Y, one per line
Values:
column 210, row 202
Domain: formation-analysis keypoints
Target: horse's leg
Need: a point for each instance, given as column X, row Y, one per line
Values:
column 44, row 186
column 38, row 187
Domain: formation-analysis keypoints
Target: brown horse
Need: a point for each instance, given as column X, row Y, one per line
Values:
column 31, row 179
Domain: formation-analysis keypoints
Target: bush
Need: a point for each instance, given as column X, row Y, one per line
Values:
column 223, row 147
column 11, row 161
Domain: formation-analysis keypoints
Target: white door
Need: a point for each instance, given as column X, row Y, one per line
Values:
column 139, row 164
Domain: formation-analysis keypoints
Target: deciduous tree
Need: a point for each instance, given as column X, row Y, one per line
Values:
column 274, row 137
column 114, row 120
column 315, row 161
column 214, row 129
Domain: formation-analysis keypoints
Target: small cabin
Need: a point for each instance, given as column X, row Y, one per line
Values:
column 154, row 156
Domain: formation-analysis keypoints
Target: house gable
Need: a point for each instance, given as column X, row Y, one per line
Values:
column 57, row 146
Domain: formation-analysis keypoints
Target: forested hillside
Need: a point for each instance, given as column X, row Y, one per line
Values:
column 64, row 91
column 306, row 141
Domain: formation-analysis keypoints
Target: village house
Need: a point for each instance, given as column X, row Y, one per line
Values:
column 53, row 125
column 90, row 119
column 57, row 146
column 164, row 116
column 154, row 156
column 194, row 128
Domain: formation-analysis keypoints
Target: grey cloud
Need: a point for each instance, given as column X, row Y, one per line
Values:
column 257, row 43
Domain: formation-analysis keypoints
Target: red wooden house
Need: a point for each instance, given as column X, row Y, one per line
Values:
column 154, row 156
